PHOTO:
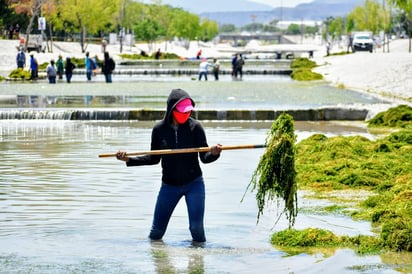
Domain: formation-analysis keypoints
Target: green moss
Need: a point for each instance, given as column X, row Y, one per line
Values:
column 396, row 117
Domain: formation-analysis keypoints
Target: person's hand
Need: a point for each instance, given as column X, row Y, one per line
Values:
column 122, row 156
column 216, row 149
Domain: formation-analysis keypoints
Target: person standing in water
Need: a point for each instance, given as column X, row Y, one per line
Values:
column 181, row 173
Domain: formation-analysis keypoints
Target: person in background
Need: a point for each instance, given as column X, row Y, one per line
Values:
column 234, row 61
column 21, row 59
column 203, row 69
column 34, row 68
column 60, row 67
column 88, row 62
column 216, row 68
column 51, row 72
column 239, row 66
column 199, row 54
column 328, row 48
column 181, row 173
column 107, row 67
column 69, row 67
column 104, row 45
column 158, row 54
column 95, row 65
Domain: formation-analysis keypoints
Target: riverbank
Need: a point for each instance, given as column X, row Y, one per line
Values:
column 385, row 74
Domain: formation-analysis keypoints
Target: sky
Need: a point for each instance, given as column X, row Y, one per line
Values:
column 281, row 3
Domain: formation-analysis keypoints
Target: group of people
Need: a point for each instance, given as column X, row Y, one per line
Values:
column 237, row 67
column 204, row 69
column 56, row 69
column 34, row 65
column 92, row 65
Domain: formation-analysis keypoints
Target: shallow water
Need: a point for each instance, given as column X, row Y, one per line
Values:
column 64, row 210
column 256, row 92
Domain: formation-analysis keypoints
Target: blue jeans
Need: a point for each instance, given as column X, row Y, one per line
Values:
column 89, row 75
column 108, row 77
column 167, row 200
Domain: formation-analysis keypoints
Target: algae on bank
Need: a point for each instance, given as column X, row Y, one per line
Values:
column 382, row 167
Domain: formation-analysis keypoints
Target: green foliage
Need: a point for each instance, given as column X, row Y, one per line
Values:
column 274, row 177
column 208, row 30
column 396, row 117
column 372, row 17
column 184, row 25
column 148, row 30
column 294, row 29
column 227, row 28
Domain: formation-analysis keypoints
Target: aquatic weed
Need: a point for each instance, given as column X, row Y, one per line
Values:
column 274, row 177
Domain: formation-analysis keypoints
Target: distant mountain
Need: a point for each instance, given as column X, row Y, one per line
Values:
column 317, row 10
column 198, row 7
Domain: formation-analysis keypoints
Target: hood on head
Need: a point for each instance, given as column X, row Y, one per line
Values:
column 175, row 96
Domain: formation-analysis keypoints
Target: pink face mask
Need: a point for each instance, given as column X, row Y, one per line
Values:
column 181, row 117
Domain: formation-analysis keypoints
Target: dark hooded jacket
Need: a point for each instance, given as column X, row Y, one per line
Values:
column 177, row 169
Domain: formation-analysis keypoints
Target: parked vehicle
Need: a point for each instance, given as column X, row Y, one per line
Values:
column 362, row 41
column 36, row 43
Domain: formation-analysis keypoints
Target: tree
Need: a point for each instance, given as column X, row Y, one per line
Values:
column 208, row 30
column 148, row 30
column 406, row 7
column 184, row 25
column 293, row 29
column 83, row 19
column 368, row 17
column 227, row 28
column 31, row 8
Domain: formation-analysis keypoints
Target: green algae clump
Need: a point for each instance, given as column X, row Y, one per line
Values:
column 302, row 70
column 275, row 176
column 396, row 117
column 383, row 167
column 320, row 238
column 20, row 74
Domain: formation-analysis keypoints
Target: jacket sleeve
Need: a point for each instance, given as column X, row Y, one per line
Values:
column 205, row 157
column 147, row 159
